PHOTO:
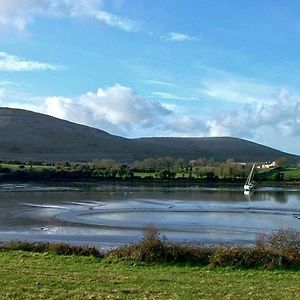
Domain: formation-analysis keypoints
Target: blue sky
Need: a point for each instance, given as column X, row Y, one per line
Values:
column 157, row 68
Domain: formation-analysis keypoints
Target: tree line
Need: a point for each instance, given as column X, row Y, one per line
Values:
column 150, row 168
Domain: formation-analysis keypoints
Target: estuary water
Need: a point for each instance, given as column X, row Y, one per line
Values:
column 109, row 215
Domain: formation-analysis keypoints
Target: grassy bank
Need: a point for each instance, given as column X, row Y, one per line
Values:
column 27, row 275
column 280, row 250
column 153, row 269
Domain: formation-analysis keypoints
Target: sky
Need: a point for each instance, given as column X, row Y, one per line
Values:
column 157, row 68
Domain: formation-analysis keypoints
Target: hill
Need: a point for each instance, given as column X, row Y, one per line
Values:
column 26, row 135
column 217, row 148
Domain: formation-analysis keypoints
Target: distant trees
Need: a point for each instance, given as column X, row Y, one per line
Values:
column 150, row 168
column 279, row 176
column 281, row 162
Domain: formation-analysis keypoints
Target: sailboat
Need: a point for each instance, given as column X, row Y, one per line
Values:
column 249, row 182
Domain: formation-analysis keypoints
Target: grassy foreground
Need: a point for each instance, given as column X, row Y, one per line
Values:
column 27, row 275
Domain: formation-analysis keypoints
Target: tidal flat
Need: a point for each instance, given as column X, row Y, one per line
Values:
column 111, row 215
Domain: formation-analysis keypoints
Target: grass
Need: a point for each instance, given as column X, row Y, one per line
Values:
column 280, row 250
column 27, row 275
column 289, row 174
column 144, row 174
column 153, row 269
column 292, row 173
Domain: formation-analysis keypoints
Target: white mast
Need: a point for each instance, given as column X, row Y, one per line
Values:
column 249, row 184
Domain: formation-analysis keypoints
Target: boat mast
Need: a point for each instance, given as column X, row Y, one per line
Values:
column 250, row 176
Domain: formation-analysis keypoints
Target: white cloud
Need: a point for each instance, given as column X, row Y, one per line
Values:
column 117, row 21
column 119, row 110
column 217, row 129
column 282, row 116
column 183, row 125
column 179, row 37
column 160, row 83
column 119, row 105
column 14, row 63
column 238, row 90
column 171, row 96
column 16, row 14
column 116, row 109
column 60, row 107
column 27, row 8
column 6, row 83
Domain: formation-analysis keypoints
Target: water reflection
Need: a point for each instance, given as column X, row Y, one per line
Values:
column 110, row 215
column 276, row 196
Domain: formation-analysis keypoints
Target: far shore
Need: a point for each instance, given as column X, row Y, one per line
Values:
column 178, row 182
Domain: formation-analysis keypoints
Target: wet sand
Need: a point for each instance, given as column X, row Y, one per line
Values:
column 108, row 216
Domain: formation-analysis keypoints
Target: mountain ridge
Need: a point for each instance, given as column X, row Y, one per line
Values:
column 31, row 136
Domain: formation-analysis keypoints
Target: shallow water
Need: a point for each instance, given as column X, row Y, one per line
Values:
column 106, row 215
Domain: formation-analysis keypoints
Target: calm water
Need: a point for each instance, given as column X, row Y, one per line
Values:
column 110, row 215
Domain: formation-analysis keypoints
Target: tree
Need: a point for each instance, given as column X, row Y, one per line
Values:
column 279, row 176
column 281, row 162
column 166, row 174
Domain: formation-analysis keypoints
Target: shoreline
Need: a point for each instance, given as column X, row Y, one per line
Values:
column 279, row 250
column 154, row 182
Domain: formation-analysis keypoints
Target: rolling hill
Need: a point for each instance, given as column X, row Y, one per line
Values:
column 26, row 135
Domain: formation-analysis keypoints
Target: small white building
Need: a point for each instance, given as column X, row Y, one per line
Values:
column 266, row 165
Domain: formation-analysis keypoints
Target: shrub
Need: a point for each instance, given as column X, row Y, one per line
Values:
column 282, row 239
column 224, row 257
column 279, row 250
column 60, row 249
column 152, row 248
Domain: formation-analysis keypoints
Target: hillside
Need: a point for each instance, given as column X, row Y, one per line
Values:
column 26, row 135
column 218, row 148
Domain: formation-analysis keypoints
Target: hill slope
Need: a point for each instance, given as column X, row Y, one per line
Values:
column 217, row 148
column 26, row 135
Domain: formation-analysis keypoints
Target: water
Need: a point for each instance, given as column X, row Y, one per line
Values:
column 106, row 216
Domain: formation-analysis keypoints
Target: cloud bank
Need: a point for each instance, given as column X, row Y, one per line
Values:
column 116, row 109
column 119, row 110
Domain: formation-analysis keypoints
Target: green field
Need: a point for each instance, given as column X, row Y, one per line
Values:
column 210, row 173
column 26, row 275
column 289, row 174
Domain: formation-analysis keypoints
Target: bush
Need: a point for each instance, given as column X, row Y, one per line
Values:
column 282, row 239
column 60, row 249
column 248, row 258
column 152, row 248
column 279, row 250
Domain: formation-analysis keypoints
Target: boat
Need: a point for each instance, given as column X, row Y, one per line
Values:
column 248, row 186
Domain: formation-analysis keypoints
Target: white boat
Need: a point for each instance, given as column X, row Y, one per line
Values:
column 248, row 186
